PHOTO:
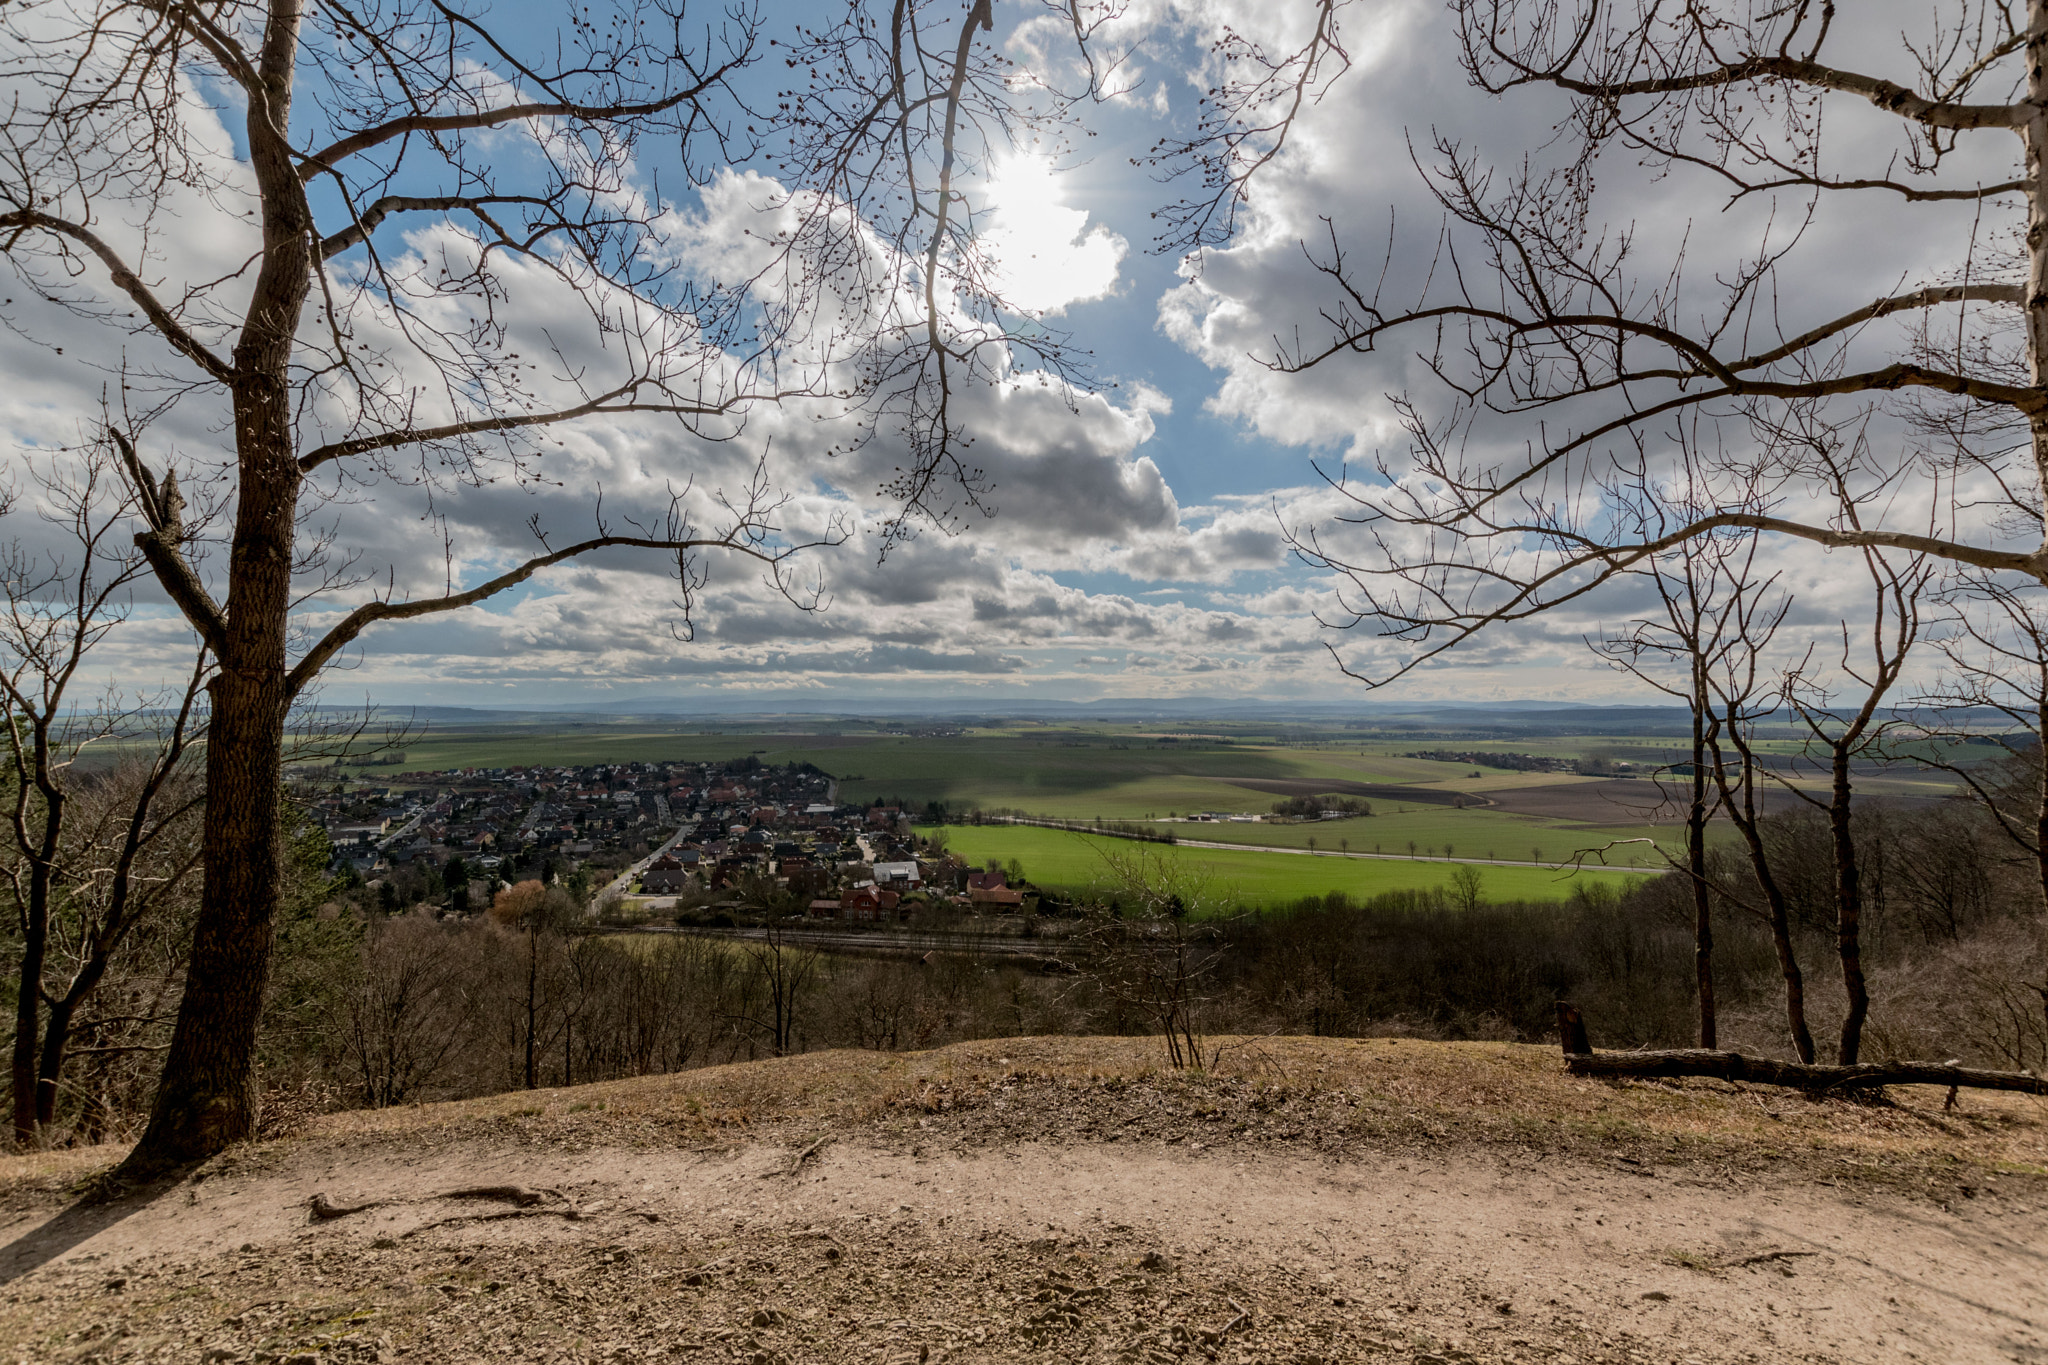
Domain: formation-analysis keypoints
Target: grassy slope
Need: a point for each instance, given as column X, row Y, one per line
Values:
column 1401, row 1092
column 1029, row 1199
column 1076, row 862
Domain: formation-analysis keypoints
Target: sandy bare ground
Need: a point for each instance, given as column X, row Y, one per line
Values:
column 1016, row 1214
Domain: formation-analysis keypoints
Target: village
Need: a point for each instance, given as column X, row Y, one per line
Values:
column 641, row 838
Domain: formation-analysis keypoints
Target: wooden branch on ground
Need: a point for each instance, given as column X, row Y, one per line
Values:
column 511, row 1194
column 323, row 1209
column 571, row 1213
column 1581, row 1060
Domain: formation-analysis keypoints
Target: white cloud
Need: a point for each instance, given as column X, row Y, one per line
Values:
column 1067, row 473
column 1057, row 590
column 1046, row 256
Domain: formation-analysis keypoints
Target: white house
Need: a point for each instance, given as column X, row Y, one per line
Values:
column 898, row 875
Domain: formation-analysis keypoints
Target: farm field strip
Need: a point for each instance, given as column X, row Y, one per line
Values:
column 1379, row 857
column 1485, row 835
column 1079, row 863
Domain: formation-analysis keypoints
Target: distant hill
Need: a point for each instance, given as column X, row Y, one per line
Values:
column 1516, row 714
column 1506, row 719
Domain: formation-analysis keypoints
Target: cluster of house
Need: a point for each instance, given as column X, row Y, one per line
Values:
column 735, row 824
column 489, row 816
column 888, row 894
column 875, row 875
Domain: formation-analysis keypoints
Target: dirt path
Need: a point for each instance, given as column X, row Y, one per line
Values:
column 1300, row 1202
column 850, row 1249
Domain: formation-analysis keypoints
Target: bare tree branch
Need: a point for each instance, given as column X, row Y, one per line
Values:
column 14, row 223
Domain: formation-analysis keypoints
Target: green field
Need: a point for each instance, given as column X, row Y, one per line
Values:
column 1078, row 862
column 1441, row 831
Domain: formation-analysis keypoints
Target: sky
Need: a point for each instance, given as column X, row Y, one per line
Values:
column 1138, row 545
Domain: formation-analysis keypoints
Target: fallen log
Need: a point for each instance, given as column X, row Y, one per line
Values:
column 1735, row 1066
column 1581, row 1060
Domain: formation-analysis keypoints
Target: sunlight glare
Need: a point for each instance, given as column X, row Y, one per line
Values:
column 1046, row 255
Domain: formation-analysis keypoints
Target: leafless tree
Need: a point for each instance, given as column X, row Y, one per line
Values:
column 99, row 793
column 1914, row 425
column 1541, row 316
column 1720, row 620
column 1844, row 719
column 411, row 1009
column 1154, row 952
column 1468, row 887
column 775, row 996
column 539, row 914
column 1745, row 695
column 341, row 359
column 1677, row 652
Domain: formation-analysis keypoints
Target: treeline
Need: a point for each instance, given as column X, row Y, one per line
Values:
column 1481, row 758
column 436, row 1009
column 1951, row 947
column 1313, row 807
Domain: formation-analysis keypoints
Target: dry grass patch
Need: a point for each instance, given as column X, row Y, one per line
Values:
column 1331, row 1095
column 1325, row 1093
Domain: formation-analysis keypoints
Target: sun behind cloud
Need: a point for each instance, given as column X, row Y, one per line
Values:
column 1046, row 255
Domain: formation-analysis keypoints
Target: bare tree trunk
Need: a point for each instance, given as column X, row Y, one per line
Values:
column 1733, row 1066
column 532, row 1006
column 1781, row 931
column 35, row 944
column 56, row 1037
column 1696, row 855
column 28, row 1014
column 1848, row 911
column 207, row 1098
